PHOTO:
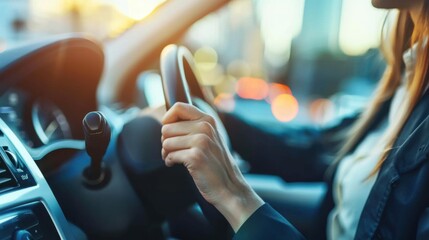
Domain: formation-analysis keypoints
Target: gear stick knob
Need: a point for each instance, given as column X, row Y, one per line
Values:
column 97, row 138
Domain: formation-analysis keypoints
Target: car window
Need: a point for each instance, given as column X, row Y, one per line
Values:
column 23, row 20
column 290, row 61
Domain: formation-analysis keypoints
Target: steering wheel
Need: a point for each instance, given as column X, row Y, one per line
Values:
column 167, row 191
column 180, row 84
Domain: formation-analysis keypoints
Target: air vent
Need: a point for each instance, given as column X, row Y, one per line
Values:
column 6, row 178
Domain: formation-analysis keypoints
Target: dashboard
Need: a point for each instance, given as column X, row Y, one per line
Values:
column 45, row 90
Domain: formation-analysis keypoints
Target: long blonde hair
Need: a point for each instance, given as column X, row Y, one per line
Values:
column 403, row 36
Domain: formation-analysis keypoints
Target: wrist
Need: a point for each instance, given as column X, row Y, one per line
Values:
column 238, row 206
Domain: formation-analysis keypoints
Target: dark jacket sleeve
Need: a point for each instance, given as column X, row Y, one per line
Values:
column 267, row 223
column 293, row 153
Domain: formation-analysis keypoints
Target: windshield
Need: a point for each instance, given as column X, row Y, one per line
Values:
column 321, row 55
column 23, row 20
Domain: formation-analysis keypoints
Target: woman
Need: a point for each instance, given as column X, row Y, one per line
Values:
column 379, row 186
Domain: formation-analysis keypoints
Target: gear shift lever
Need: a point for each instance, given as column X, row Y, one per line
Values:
column 97, row 138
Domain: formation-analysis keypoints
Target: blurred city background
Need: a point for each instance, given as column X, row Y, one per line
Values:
column 270, row 61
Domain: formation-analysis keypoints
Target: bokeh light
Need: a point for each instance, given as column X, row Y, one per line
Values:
column 285, row 107
column 212, row 77
column 227, row 85
column 206, row 58
column 225, row 102
column 206, row 61
column 252, row 88
column 275, row 90
column 321, row 110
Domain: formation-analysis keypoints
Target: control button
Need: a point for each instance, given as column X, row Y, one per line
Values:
column 23, row 235
column 12, row 157
column 24, row 178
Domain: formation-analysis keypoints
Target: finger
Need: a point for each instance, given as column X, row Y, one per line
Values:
column 186, row 128
column 179, row 128
column 182, row 112
column 177, row 143
column 190, row 158
column 200, row 141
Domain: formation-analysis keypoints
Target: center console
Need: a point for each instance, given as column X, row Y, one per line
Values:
column 28, row 208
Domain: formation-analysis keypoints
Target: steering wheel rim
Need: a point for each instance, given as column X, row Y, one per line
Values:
column 179, row 76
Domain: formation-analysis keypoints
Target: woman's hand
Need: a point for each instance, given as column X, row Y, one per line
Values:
column 189, row 137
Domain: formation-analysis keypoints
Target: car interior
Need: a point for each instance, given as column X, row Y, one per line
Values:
column 79, row 160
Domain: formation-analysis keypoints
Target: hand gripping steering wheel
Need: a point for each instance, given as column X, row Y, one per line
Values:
column 180, row 84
